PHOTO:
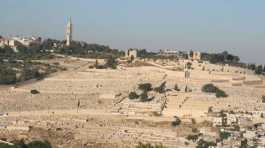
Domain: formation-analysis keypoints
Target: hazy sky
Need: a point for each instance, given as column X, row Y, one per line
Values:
column 205, row 25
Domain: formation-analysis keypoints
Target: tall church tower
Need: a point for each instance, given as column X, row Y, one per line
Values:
column 69, row 32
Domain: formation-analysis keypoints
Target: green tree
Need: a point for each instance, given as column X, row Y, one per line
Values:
column 259, row 69
column 133, row 95
column 252, row 67
column 220, row 94
column 224, row 135
column 209, row 88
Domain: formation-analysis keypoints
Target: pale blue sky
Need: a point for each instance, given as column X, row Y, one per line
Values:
column 206, row 25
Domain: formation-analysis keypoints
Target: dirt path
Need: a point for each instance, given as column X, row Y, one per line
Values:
column 87, row 112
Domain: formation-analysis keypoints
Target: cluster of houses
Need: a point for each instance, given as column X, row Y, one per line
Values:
column 240, row 128
column 15, row 42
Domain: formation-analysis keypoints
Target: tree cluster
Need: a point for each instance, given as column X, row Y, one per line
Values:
column 220, row 58
column 148, row 145
column 144, row 88
column 205, row 144
column 258, row 69
column 33, row 144
column 13, row 72
column 81, row 49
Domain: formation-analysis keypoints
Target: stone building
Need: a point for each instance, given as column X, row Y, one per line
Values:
column 131, row 54
column 195, row 55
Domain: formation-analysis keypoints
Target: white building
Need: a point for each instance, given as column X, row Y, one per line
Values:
column 28, row 41
column 169, row 52
column 249, row 134
column 2, row 42
column 231, row 119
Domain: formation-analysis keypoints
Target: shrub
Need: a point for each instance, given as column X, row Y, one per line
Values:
column 145, row 87
column 33, row 144
column 176, row 88
column 34, row 91
column 133, row 95
column 189, row 64
column 237, row 128
column 176, row 122
column 209, row 88
column 2, row 145
column 96, row 63
column 162, row 88
column 192, row 138
column 186, row 143
column 194, row 130
column 187, row 89
column 259, row 69
column 193, row 121
column 148, row 145
column 221, row 94
column 210, row 109
column 144, row 97
column 100, row 67
column 111, row 62
column 7, row 76
column 263, row 99
column 244, row 144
